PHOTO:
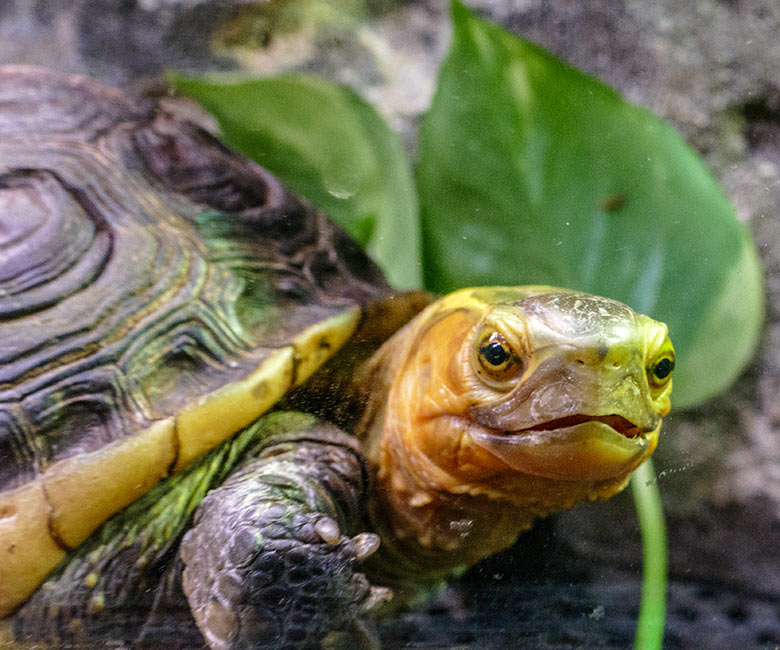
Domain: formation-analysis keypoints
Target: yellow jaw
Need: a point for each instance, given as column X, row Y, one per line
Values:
column 589, row 451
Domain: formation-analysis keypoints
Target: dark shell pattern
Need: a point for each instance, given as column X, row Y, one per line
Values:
column 142, row 265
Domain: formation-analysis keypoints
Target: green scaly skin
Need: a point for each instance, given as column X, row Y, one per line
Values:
column 253, row 547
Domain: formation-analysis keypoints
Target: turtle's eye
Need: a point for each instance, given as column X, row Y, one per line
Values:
column 661, row 370
column 497, row 359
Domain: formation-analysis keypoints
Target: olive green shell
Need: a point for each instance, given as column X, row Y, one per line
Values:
column 143, row 266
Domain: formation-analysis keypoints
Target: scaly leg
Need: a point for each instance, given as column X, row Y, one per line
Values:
column 269, row 561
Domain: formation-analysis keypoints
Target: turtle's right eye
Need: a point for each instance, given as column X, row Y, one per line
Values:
column 496, row 358
column 495, row 353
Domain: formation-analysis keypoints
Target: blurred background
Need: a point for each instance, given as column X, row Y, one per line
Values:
column 711, row 68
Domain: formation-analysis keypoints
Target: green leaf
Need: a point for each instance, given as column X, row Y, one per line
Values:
column 533, row 172
column 325, row 142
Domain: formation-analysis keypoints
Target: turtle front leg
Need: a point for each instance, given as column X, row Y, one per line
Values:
column 272, row 559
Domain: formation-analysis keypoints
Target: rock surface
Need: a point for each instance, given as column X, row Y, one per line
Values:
column 711, row 68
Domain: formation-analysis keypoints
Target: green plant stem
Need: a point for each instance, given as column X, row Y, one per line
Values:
column 652, row 608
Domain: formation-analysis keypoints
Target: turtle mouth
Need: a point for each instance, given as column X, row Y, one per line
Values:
column 617, row 422
column 572, row 447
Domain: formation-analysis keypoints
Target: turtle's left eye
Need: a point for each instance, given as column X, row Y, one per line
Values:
column 496, row 357
column 661, row 370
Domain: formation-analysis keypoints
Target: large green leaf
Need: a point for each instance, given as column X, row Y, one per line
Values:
column 328, row 144
column 533, row 172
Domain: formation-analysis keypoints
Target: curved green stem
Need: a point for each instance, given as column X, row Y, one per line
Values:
column 652, row 609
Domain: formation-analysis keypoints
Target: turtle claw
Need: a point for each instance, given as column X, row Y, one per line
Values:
column 361, row 635
column 377, row 598
column 366, row 544
column 328, row 530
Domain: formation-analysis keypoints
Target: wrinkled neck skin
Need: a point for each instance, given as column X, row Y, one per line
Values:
column 443, row 502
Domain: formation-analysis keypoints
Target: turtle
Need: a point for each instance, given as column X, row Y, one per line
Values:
column 221, row 427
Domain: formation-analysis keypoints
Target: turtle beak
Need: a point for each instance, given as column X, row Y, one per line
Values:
column 578, row 448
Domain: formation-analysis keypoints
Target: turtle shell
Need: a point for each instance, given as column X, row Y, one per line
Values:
column 158, row 292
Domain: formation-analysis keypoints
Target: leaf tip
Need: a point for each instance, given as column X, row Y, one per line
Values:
column 459, row 11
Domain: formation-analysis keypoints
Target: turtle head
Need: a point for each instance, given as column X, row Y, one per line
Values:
column 532, row 396
column 563, row 385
